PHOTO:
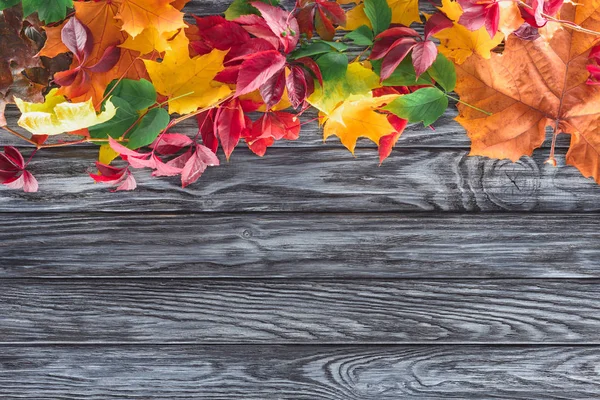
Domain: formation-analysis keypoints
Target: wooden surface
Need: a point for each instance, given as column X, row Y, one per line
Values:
column 307, row 274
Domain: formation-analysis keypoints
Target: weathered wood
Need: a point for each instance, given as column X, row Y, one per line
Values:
column 300, row 245
column 299, row 372
column 318, row 180
column 299, row 311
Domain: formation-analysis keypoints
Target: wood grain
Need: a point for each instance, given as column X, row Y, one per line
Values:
column 318, row 180
column 424, row 245
column 299, row 372
column 300, row 311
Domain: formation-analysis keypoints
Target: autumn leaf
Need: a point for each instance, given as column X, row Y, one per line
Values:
column 48, row 10
column 188, row 82
column 535, row 84
column 458, row 42
column 17, row 57
column 99, row 17
column 56, row 115
column 358, row 79
column 148, row 41
column 357, row 117
column 404, row 12
column 137, row 15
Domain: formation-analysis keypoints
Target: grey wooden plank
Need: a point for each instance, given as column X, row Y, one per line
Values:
column 428, row 245
column 300, row 311
column 299, row 372
column 318, row 180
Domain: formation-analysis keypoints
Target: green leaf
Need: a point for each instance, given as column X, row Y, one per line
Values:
column 379, row 13
column 312, row 49
column 243, row 7
column 339, row 46
column 125, row 117
column 361, row 36
column 443, row 72
column 148, row 129
column 4, row 4
column 139, row 94
column 48, row 10
column 333, row 65
column 426, row 104
column 403, row 75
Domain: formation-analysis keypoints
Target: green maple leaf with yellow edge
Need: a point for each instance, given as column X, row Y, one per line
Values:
column 359, row 79
column 188, row 82
column 404, row 12
column 357, row 117
column 55, row 115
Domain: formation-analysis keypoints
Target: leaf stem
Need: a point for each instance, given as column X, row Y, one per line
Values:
column 193, row 114
column 17, row 134
column 468, row 105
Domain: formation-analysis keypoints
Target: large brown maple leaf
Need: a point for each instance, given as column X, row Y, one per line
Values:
column 532, row 85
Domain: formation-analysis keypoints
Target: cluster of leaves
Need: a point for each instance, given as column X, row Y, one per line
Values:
column 124, row 73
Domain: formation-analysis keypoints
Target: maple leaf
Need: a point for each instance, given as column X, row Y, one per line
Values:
column 99, row 17
column 138, row 15
column 458, row 42
column 17, row 58
column 148, row 41
column 358, row 79
column 535, row 84
column 56, row 115
column 357, row 117
column 188, row 82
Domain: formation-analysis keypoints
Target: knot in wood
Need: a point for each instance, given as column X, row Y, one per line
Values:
column 513, row 186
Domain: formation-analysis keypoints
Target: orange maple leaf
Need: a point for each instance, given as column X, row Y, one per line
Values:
column 137, row 15
column 99, row 17
column 532, row 85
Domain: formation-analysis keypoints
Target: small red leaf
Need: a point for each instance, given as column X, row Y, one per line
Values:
column 15, row 156
column 296, row 86
column 171, row 143
column 30, row 184
column 438, row 22
column 257, row 69
column 281, row 23
column 196, row 165
column 386, row 143
column 478, row 13
column 127, row 184
column 78, row 39
column 272, row 90
column 124, row 151
column 108, row 60
column 394, row 57
column 423, row 56
column 229, row 124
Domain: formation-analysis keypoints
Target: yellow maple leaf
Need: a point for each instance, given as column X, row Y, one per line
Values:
column 458, row 43
column 188, row 82
column 137, row 15
column 148, row 41
column 358, row 80
column 56, row 115
column 404, row 12
column 356, row 117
